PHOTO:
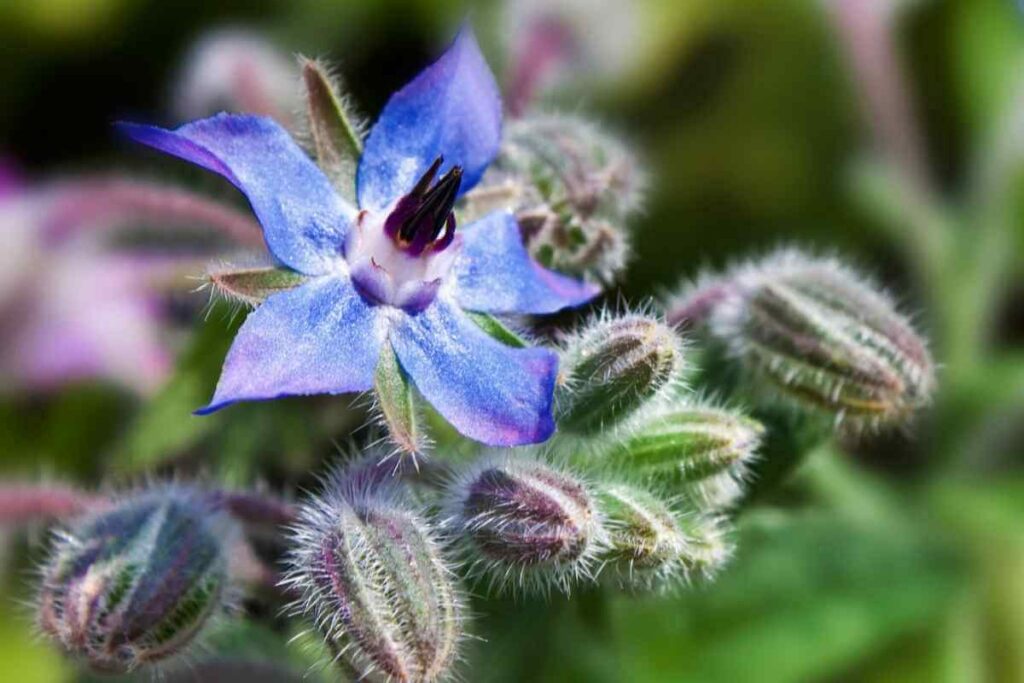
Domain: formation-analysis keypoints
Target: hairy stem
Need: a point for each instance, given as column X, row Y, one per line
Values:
column 110, row 202
column 256, row 508
column 24, row 503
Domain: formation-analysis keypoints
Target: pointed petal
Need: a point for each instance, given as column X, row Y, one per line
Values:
column 452, row 109
column 492, row 393
column 320, row 338
column 304, row 220
column 494, row 273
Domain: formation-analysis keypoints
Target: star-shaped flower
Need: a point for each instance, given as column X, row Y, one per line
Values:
column 393, row 272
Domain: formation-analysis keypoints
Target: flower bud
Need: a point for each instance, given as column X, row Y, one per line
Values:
column 135, row 583
column 651, row 545
column 572, row 187
column 612, row 368
column 645, row 542
column 819, row 335
column 372, row 576
column 687, row 443
column 522, row 519
column 708, row 548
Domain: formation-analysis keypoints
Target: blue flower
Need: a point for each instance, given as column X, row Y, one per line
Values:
column 394, row 270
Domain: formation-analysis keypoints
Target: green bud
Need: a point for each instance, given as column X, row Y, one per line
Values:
column 612, row 368
column 134, row 584
column 686, row 444
column 708, row 548
column 646, row 544
column 818, row 335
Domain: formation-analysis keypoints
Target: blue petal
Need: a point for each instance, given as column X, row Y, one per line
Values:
column 304, row 220
column 452, row 109
column 494, row 273
column 320, row 338
column 492, row 393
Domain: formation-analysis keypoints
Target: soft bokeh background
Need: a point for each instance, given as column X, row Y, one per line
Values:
column 898, row 557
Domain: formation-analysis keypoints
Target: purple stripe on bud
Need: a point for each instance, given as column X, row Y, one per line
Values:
column 524, row 519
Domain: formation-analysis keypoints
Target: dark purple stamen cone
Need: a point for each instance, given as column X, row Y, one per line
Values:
column 134, row 584
column 423, row 218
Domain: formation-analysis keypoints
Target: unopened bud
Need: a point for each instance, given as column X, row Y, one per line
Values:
column 573, row 188
column 820, row 336
column 372, row 576
column 708, row 548
column 614, row 367
column 134, row 584
column 686, row 444
column 646, row 545
column 520, row 519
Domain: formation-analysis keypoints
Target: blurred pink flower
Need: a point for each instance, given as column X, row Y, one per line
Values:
column 236, row 70
column 75, row 303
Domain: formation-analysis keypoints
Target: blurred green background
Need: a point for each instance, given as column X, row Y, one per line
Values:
column 896, row 558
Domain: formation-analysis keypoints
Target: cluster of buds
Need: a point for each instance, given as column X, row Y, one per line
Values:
column 612, row 368
column 135, row 583
column 573, row 188
column 817, row 333
column 371, row 574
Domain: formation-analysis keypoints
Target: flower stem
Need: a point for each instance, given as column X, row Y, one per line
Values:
column 24, row 503
column 110, row 202
column 696, row 307
column 256, row 508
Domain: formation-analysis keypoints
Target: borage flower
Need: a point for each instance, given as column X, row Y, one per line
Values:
column 395, row 271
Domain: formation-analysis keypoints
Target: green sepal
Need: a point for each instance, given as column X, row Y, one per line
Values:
column 336, row 138
column 493, row 327
column 252, row 285
column 397, row 402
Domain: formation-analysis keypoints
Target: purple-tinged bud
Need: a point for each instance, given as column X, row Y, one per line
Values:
column 372, row 577
column 135, row 584
column 612, row 368
column 521, row 520
column 573, row 189
column 817, row 334
column 697, row 449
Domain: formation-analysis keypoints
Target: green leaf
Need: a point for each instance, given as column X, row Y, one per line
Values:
column 397, row 402
column 496, row 329
column 165, row 425
column 252, row 285
column 335, row 133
